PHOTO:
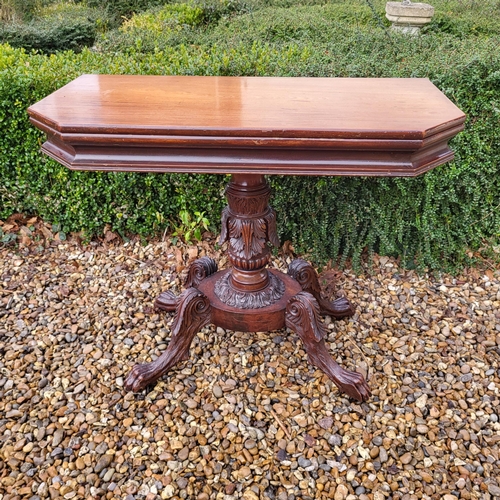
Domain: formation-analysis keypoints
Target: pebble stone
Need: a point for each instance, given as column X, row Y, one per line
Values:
column 246, row 416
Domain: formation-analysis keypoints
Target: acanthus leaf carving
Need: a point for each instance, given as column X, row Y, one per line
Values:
column 272, row 232
column 303, row 316
column 249, row 300
column 247, row 236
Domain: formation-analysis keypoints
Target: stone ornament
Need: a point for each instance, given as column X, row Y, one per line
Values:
column 408, row 17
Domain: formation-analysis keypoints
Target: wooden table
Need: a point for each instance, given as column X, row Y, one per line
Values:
column 249, row 127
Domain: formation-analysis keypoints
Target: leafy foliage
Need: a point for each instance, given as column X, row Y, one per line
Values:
column 50, row 37
column 164, row 18
column 18, row 10
column 429, row 221
column 190, row 227
column 56, row 27
column 123, row 8
column 143, row 30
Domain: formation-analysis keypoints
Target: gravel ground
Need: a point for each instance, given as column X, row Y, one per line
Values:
column 246, row 417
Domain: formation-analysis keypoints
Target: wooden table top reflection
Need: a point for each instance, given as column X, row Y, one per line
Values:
column 295, row 126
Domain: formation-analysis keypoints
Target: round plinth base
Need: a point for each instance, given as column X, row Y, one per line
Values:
column 262, row 319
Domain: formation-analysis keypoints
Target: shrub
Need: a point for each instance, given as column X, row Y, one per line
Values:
column 57, row 27
column 167, row 17
column 460, row 18
column 277, row 25
column 50, row 37
column 170, row 25
column 124, row 8
column 18, row 10
column 142, row 32
column 428, row 221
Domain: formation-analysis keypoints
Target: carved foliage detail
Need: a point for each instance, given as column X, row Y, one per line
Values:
column 249, row 300
column 193, row 313
column 250, row 202
column 305, row 274
column 224, row 229
column 272, row 232
column 248, row 222
column 302, row 316
column 248, row 236
column 166, row 301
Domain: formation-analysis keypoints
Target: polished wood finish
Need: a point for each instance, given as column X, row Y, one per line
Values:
column 259, row 319
column 299, row 126
column 249, row 127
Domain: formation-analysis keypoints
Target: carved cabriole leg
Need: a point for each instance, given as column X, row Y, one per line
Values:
column 198, row 271
column 302, row 316
column 307, row 277
column 193, row 313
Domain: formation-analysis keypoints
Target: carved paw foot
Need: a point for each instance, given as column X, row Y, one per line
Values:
column 140, row 377
column 302, row 316
column 307, row 278
column 192, row 314
column 352, row 383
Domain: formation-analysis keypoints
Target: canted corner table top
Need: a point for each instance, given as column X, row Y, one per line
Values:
column 295, row 126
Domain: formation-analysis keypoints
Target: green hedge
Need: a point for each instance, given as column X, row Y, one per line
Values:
column 430, row 221
column 49, row 37
column 55, row 27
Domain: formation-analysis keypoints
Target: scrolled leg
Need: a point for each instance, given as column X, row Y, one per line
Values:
column 302, row 316
column 193, row 313
column 166, row 301
column 199, row 270
column 307, row 277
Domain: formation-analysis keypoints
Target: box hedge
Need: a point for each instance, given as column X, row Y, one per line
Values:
column 430, row 221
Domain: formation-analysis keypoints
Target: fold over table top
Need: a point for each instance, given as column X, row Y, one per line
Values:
column 298, row 126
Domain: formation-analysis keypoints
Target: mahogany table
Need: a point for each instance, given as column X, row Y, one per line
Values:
column 249, row 127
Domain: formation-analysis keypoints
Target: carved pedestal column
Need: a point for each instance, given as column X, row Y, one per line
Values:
column 249, row 224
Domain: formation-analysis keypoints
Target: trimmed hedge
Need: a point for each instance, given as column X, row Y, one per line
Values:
column 51, row 37
column 430, row 221
column 57, row 27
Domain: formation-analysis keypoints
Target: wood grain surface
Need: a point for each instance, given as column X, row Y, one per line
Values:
column 306, row 126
